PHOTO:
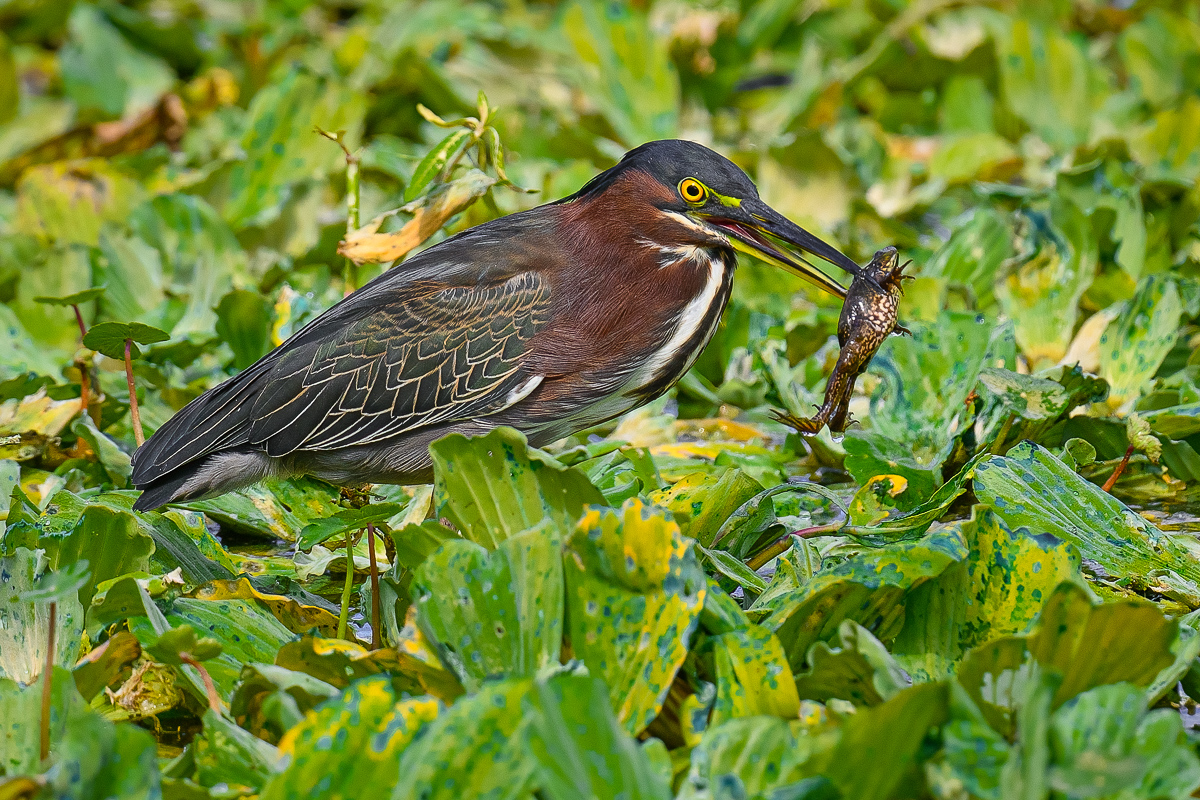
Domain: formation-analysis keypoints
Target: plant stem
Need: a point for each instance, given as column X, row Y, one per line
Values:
column 85, row 388
column 138, row 435
column 1112, row 479
column 780, row 545
column 214, row 699
column 48, row 682
column 352, row 196
column 344, row 615
column 375, row 636
column 1000, row 437
column 79, row 319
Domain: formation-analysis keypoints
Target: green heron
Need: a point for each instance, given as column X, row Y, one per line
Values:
column 550, row 320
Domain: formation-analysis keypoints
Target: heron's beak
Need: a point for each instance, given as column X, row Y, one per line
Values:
column 752, row 221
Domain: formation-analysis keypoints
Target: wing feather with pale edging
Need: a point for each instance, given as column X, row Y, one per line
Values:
column 441, row 355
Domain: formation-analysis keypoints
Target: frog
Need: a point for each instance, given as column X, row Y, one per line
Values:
column 869, row 316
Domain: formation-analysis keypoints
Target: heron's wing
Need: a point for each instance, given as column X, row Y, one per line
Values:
column 435, row 354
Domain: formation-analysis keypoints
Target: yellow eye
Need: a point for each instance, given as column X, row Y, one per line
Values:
column 692, row 190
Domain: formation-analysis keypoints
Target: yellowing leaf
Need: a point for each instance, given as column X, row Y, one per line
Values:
column 634, row 593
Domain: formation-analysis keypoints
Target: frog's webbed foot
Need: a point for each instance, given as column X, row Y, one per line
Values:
column 900, row 330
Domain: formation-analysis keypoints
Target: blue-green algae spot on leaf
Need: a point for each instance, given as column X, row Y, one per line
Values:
column 350, row 746
column 634, row 595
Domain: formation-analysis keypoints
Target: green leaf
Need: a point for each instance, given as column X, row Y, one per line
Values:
column 973, row 255
column 1087, row 645
column 752, row 756
column 496, row 614
column 731, row 567
column 858, row 670
column 21, row 710
column 109, row 338
column 116, row 462
column 113, row 542
column 494, row 486
column 879, row 745
column 198, row 252
column 271, row 700
column 582, row 750
column 1154, row 50
column 634, row 594
column 244, row 323
column 350, row 745
column 434, row 162
column 1041, row 295
column 703, row 501
column 998, row 590
column 1048, row 80
column 281, row 149
column 624, row 68
column 1133, row 347
column 166, row 649
column 103, row 73
column 1106, row 743
column 474, row 749
column 1026, row 396
column 277, row 509
column 73, row 299
column 752, row 676
column 24, row 623
column 869, row 588
column 927, row 378
column 1026, row 487
column 56, row 586
column 345, row 522
column 1169, row 146
column 871, row 454
column 246, row 631
column 228, row 755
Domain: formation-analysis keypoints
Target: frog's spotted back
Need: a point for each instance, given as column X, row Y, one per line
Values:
column 868, row 317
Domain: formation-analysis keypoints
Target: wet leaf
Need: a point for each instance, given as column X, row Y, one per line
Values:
column 472, row 750
column 752, row 756
column 1025, row 488
column 1105, row 741
column 25, row 623
column 1087, row 645
column 345, row 522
